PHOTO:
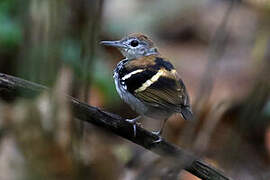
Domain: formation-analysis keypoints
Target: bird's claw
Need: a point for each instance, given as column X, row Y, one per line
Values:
column 133, row 122
column 158, row 133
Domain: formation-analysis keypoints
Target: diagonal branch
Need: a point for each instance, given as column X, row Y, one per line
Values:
column 11, row 87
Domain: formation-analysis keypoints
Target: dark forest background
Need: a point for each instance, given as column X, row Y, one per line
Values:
column 220, row 48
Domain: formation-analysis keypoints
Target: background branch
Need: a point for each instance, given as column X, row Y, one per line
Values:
column 11, row 87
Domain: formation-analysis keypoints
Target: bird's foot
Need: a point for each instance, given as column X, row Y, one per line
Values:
column 158, row 133
column 134, row 123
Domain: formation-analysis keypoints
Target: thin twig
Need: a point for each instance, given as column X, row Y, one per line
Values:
column 11, row 87
column 216, row 51
column 90, row 35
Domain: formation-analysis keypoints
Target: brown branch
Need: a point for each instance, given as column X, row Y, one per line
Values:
column 11, row 87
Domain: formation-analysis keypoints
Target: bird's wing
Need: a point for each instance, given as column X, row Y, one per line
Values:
column 166, row 91
column 156, row 82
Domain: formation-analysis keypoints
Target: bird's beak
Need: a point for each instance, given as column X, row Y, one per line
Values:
column 117, row 44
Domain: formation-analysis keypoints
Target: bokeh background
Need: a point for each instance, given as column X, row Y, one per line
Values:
column 220, row 48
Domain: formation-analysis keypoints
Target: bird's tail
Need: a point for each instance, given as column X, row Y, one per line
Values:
column 186, row 113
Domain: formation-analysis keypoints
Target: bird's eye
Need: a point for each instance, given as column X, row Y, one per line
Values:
column 134, row 43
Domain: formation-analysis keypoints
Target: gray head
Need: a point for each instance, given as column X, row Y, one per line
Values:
column 134, row 46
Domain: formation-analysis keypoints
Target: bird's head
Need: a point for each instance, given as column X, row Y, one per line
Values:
column 134, row 46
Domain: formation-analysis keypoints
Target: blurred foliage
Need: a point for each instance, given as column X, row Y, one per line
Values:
column 10, row 31
column 267, row 109
column 100, row 73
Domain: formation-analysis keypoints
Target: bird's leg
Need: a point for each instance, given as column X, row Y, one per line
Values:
column 133, row 122
column 160, row 131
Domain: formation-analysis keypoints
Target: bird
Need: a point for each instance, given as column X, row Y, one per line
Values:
column 148, row 82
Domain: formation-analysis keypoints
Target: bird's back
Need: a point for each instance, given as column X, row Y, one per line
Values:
column 154, row 81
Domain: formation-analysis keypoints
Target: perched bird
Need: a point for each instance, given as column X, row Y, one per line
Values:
column 148, row 82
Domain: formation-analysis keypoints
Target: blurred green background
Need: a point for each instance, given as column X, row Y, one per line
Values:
column 220, row 48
